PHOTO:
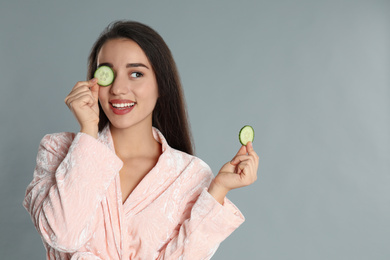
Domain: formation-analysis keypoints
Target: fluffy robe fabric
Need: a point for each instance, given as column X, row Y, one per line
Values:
column 75, row 203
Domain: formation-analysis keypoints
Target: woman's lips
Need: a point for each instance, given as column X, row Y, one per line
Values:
column 121, row 106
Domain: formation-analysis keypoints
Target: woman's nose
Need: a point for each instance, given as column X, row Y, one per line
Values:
column 120, row 85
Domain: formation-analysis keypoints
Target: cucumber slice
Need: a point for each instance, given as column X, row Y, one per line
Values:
column 105, row 75
column 246, row 134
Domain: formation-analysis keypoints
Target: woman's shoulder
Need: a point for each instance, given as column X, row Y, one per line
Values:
column 190, row 161
column 176, row 156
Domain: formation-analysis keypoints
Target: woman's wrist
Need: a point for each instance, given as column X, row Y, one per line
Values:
column 219, row 193
column 90, row 130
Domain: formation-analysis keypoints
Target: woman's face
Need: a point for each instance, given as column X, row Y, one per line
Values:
column 131, row 98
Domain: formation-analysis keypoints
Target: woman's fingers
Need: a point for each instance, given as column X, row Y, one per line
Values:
column 83, row 102
column 246, row 164
column 245, row 150
column 83, row 84
column 81, row 88
column 76, row 93
column 247, row 171
column 241, row 170
column 94, row 89
column 73, row 96
column 81, row 99
column 251, row 151
column 238, row 159
column 241, row 151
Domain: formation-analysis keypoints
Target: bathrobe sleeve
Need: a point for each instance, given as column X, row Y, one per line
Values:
column 206, row 223
column 70, row 179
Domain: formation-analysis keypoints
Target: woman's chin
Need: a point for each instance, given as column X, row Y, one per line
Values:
column 126, row 125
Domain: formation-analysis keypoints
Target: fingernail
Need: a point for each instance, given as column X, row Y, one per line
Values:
column 94, row 80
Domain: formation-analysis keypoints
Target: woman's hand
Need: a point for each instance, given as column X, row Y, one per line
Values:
column 83, row 102
column 239, row 172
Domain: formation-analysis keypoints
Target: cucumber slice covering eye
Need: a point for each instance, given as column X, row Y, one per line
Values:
column 246, row 134
column 105, row 75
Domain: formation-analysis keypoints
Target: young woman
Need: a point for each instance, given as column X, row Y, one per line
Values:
column 127, row 185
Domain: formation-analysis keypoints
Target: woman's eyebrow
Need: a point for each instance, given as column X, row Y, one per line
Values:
column 128, row 65
column 131, row 65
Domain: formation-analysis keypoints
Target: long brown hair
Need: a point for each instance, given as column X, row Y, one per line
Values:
column 169, row 114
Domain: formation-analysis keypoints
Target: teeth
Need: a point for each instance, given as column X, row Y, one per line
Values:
column 123, row 105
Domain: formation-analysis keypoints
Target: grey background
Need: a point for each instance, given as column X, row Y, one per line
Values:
column 312, row 78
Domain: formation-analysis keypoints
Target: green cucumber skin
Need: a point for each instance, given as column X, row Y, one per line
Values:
column 243, row 128
column 107, row 83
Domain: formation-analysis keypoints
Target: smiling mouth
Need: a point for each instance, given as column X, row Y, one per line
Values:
column 123, row 105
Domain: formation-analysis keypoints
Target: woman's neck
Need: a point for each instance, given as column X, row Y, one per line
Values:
column 136, row 141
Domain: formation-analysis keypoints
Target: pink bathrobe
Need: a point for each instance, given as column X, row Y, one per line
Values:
column 75, row 203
